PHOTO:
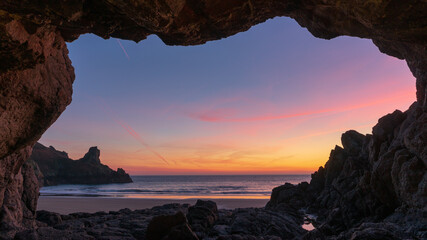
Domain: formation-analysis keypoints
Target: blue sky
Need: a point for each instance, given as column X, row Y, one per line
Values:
column 273, row 99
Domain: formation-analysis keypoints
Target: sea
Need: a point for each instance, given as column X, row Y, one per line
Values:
column 181, row 187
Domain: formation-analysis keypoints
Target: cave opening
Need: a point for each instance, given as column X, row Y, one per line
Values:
column 230, row 106
column 248, row 111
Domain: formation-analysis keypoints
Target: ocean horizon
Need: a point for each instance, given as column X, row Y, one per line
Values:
column 181, row 187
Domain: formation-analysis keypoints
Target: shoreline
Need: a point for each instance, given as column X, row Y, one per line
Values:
column 71, row 204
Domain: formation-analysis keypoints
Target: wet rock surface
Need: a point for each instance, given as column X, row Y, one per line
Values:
column 57, row 168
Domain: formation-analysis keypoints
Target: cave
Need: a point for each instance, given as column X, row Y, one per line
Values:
column 36, row 78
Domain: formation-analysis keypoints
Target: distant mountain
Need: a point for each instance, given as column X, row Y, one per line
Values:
column 57, row 168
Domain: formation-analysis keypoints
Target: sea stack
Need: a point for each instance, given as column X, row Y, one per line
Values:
column 57, row 168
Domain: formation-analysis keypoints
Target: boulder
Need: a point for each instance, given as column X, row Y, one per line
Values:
column 170, row 227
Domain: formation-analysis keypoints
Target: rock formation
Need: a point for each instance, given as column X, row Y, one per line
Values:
column 36, row 75
column 171, row 221
column 379, row 179
column 19, row 197
column 170, row 227
column 57, row 168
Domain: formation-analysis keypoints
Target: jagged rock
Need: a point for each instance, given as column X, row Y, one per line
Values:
column 57, row 168
column 352, row 141
column 289, row 198
column 371, row 179
column 92, row 156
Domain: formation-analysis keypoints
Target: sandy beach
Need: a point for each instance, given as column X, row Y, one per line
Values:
column 66, row 205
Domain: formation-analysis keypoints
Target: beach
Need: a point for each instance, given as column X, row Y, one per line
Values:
column 66, row 205
column 227, row 191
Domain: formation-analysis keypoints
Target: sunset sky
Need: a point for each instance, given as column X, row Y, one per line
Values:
column 272, row 100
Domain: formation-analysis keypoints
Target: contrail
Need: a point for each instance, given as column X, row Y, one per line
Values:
column 139, row 139
column 124, row 50
column 132, row 132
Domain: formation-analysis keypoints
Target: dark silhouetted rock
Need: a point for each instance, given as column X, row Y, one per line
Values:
column 92, row 156
column 374, row 178
column 202, row 216
column 167, row 222
column 288, row 197
column 247, row 237
column 57, row 168
column 51, row 233
column 261, row 223
column 50, row 218
column 383, row 231
column 170, row 227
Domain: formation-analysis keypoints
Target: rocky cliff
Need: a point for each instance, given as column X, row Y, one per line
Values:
column 36, row 75
column 57, row 168
column 379, row 179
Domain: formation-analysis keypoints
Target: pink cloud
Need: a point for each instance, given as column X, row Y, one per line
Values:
column 214, row 115
column 221, row 115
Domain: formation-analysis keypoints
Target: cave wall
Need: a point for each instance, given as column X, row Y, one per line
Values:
column 36, row 79
column 36, row 75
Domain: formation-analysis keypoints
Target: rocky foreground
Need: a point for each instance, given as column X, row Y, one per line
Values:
column 201, row 221
column 54, row 167
column 171, row 221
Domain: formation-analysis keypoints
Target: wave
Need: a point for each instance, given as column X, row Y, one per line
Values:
column 185, row 186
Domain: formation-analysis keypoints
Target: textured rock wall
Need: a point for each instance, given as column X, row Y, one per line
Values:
column 19, row 194
column 374, row 178
column 35, row 87
column 36, row 74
